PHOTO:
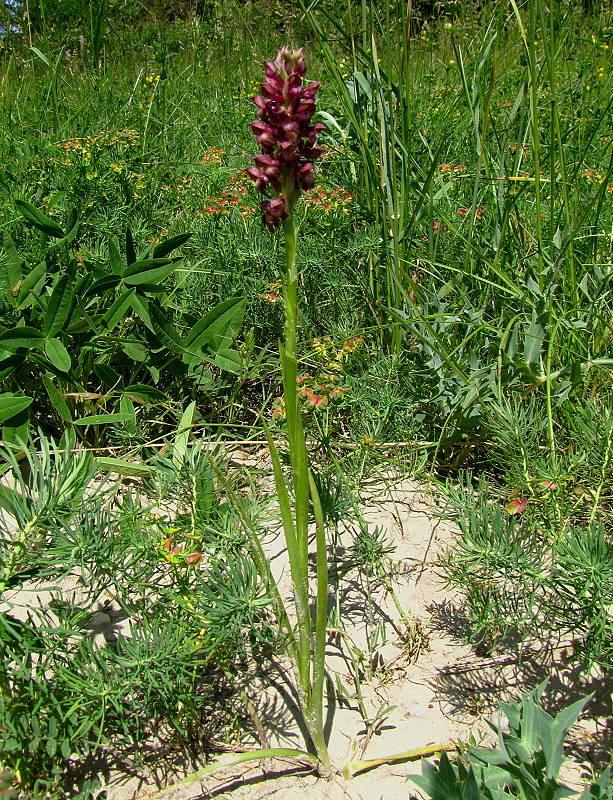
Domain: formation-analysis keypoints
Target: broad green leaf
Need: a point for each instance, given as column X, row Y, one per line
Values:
column 489, row 755
column 141, row 307
column 11, row 266
column 137, row 351
column 228, row 359
column 115, row 258
column 202, row 375
column 103, row 284
column 81, row 324
column 438, row 784
column 130, row 248
column 529, row 719
column 471, row 790
column 148, row 271
column 35, row 217
column 15, row 428
column 166, row 247
column 109, row 377
column 40, row 55
column 9, row 362
column 218, row 327
column 152, row 288
column 72, row 230
column 117, row 311
column 553, row 735
column 25, row 336
column 533, row 343
column 121, row 467
column 143, row 391
column 11, row 405
column 520, row 749
column 59, row 305
column 183, row 430
column 164, row 329
column 57, row 401
column 29, row 283
column 72, row 220
column 102, row 419
column 126, row 406
column 58, row 355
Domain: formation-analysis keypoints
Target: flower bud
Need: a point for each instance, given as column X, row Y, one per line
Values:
column 274, row 210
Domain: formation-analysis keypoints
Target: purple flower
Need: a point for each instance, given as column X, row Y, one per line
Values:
column 274, row 211
column 285, row 135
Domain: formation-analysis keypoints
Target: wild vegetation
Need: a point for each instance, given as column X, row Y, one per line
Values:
column 446, row 310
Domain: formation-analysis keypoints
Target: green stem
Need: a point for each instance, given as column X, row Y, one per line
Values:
column 240, row 758
column 298, row 460
column 356, row 767
column 321, row 620
column 311, row 648
column 290, row 371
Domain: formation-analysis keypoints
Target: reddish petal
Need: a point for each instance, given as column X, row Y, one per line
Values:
column 516, row 506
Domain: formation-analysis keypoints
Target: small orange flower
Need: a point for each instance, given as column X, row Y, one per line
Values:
column 516, row 506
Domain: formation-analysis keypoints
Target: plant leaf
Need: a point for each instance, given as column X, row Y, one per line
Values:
column 25, row 336
column 59, row 305
column 218, row 327
column 229, row 360
column 143, row 391
column 126, row 406
column 58, row 355
column 115, row 258
column 103, row 419
column 533, row 342
column 183, row 430
column 12, row 404
column 128, row 468
column 163, row 329
column 57, row 401
column 137, row 351
column 40, row 55
column 117, row 311
column 103, row 284
column 141, row 307
column 109, row 377
column 130, row 248
column 35, row 217
column 552, row 736
column 166, row 247
column 148, row 271
column 28, row 284
column 11, row 267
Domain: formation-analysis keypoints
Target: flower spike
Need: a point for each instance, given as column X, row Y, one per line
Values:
column 285, row 135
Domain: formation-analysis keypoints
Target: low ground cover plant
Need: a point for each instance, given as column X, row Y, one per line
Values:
column 94, row 340
column 169, row 560
column 525, row 763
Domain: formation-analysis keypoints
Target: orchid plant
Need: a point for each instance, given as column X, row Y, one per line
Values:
column 283, row 170
column 284, row 167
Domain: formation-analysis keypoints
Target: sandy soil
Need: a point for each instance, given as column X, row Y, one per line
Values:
column 425, row 687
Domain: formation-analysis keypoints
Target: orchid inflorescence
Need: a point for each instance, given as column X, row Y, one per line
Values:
column 285, row 134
